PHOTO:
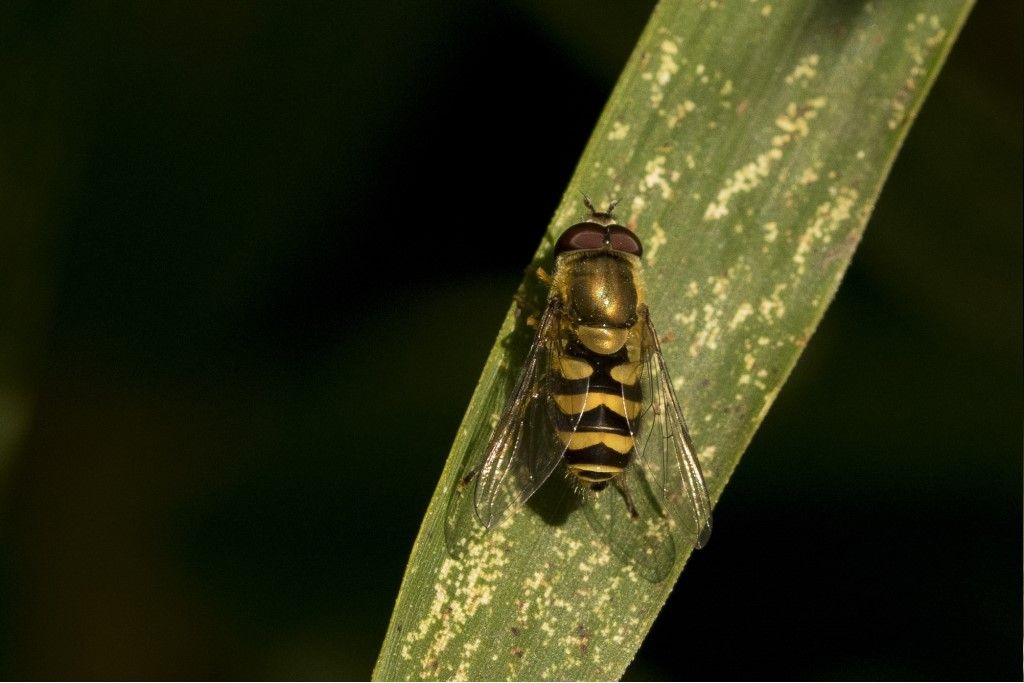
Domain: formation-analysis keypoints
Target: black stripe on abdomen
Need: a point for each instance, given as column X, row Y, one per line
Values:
column 600, row 381
column 599, row 419
column 598, row 456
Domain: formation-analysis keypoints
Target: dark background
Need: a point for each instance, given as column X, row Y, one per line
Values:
column 246, row 298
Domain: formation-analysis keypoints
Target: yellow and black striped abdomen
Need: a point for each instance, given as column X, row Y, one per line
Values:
column 598, row 403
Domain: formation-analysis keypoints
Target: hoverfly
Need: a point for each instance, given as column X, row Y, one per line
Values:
column 594, row 393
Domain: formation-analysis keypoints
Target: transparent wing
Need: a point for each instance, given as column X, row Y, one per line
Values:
column 525, row 448
column 664, row 450
column 629, row 517
column 505, row 464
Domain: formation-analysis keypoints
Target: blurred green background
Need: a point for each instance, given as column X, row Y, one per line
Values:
column 253, row 256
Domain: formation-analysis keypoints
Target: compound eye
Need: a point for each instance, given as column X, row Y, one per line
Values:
column 581, row 236
column 624, row 239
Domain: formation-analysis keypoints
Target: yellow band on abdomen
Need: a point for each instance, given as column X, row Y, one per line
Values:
column 575, row 404
column 611, row 469
column 620, row 443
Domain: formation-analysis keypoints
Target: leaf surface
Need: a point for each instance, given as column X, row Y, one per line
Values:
column 747, row 143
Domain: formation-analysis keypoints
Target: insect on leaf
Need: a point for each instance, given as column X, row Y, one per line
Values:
column 747, row 143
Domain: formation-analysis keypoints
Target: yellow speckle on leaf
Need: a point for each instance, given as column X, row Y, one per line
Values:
column 639, row 204
column 918, row 47
column 808, row 176
column 654, row 243
column 461, row 589
column 744, row 311
column 744, row 179
column 679, row 113
column 804, row 71
column 828, row 218
column 935, row 38
column 654, row 171
column 687, row 319
column 707, row 336
column 795, row 123
column 619, row 131
column 719, row 286
column 772, row 307
column 796, row 120
column 667, row 66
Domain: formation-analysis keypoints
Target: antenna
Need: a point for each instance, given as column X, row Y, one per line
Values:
column 594, row 213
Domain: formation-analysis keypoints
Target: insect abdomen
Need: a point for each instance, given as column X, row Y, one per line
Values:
column 597, row 413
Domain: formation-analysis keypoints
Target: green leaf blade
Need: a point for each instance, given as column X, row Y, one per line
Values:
column 747, row 142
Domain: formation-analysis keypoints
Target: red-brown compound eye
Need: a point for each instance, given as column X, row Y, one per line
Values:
column 624, row 239
column 581, row 236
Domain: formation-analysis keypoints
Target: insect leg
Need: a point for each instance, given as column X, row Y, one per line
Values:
column 543, row 276
column 620, row 486
column 470, row 476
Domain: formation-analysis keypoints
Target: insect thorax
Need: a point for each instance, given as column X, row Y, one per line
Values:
column 601, row 291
